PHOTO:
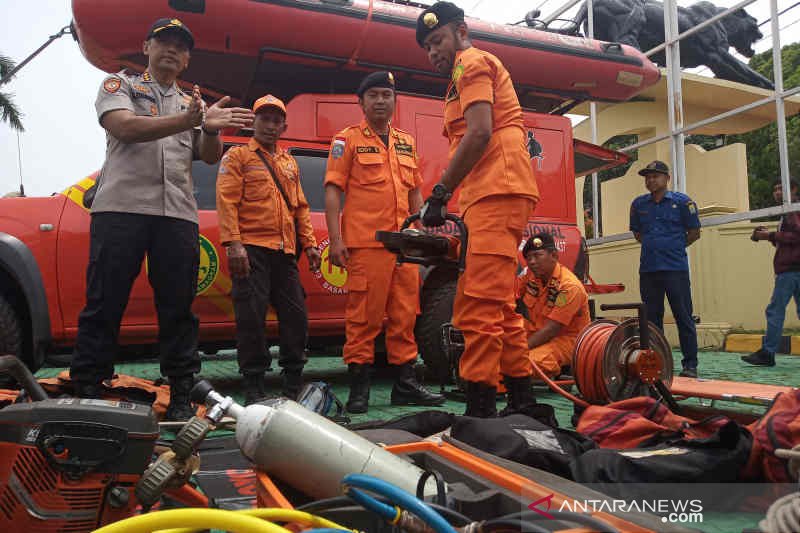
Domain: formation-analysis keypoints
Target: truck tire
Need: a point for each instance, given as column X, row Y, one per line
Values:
column 437, row 309
column 11, row 332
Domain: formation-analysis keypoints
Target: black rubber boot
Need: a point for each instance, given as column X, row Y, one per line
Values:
column 408, row 391
column 90, row 391
column 358, row 401
column 254, row 390
column 292, row 383
column 760, row 358
column 481, row 400
column 180, row 406
column 521, row 399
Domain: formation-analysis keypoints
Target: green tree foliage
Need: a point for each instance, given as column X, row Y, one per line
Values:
column 9, row 112
column 763, row 162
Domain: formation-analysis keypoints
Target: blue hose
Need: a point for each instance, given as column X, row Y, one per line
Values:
column 397, row 496
column 369, row 503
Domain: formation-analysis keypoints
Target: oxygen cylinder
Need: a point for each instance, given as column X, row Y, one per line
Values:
column 306, row 450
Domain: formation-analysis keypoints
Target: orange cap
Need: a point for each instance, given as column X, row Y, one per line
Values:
column 269, row 100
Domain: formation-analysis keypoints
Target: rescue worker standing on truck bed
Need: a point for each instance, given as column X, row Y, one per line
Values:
column 556, row 302
column 375, row 165
column 144, row 205
column 488, row 153
column 262, row 213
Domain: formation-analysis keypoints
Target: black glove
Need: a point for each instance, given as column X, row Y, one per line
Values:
column 434, row 210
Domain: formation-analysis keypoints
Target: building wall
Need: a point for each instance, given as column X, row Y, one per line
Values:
column 732, row 280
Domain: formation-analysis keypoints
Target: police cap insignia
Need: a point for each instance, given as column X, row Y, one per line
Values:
column 174, row 26
column 435, row 17
column 111, row 85
column 537, row 242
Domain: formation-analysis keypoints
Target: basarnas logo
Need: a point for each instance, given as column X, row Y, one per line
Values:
column 673, row 511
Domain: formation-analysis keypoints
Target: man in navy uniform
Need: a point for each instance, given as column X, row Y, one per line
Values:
column 666, row 222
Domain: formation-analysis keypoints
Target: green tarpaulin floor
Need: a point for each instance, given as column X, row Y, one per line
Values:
column 221, row 370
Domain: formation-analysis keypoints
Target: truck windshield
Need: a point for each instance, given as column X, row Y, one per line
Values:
column 312, row 175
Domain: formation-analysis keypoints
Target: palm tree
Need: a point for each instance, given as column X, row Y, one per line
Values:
column 8, row 110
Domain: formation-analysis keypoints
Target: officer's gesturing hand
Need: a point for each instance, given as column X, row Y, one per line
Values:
column 218, row 116
column 434, row 210
column 238, row 263
column 338, row 253
column 196, row 105
column 314, row 258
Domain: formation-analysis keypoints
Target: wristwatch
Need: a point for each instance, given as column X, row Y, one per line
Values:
column 440, row 192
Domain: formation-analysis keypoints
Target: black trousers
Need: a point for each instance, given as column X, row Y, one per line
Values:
column 675, row 284
column 119, row 242
column 273, row 280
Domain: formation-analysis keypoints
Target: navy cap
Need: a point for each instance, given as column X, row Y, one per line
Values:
column 376, row 79
column 539, row 241
column 167, row 25
column 655, row 166
column 435, row 17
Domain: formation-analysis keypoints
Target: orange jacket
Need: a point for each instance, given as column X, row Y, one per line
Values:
column 505, row 168
column 563, row 300
column 376, row 181
column 251, row 209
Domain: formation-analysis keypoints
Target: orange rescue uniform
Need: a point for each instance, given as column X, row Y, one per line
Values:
column 376, row 180
column 496, row 199
column 251, row 209
column 563, row 300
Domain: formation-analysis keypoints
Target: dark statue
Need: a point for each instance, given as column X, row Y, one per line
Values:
column 640, row 23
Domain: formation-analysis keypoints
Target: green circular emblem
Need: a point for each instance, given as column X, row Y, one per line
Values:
column 209, row 265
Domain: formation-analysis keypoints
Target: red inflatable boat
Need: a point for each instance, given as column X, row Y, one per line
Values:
column 291, row 46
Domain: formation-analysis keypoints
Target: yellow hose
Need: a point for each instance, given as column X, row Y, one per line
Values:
column 283, row 515
column 194, row 518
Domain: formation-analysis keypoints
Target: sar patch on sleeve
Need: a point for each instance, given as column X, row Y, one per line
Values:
column 458, row 72
column 112, row 85
column 692, row 207
column 561, row 299
column 337, row 150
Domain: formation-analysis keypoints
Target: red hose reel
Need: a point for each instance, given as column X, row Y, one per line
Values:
column 615, row 360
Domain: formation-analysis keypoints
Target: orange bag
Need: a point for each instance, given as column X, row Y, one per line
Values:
column 778, row 428
column 631, row 423
column 121, row 388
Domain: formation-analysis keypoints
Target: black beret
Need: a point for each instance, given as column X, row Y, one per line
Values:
column 435, row 17
column 539, row 241
column 376, row 79
column 167, row 25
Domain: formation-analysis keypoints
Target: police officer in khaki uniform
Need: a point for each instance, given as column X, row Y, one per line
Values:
column 144, row 205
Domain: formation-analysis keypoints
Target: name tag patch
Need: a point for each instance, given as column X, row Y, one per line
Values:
column 406, row 149
column 367, row 150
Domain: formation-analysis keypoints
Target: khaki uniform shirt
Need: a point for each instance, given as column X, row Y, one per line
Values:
column 148, row 178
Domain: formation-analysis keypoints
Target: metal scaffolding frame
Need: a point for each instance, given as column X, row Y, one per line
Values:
column 678, row 129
